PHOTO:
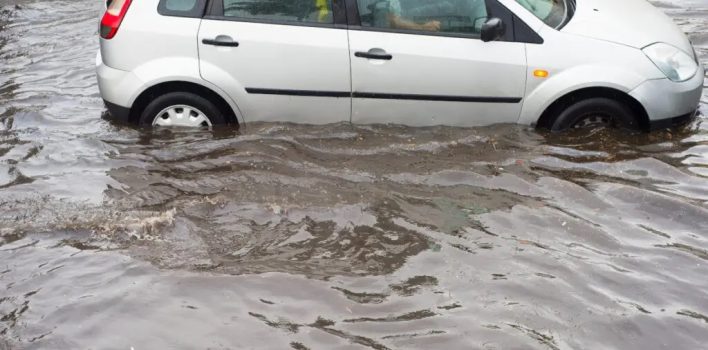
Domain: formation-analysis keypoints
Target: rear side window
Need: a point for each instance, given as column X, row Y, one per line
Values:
column 302, row 11
column 180, row 5
column 181, row 8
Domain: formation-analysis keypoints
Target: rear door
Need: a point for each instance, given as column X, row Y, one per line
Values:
column 418, row 62
column 280, row 60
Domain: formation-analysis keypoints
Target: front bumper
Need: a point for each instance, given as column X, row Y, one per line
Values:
column 667, row 102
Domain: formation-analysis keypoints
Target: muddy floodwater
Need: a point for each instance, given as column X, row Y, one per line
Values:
column 283, row 236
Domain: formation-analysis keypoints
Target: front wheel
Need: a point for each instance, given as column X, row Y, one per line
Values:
column 595, row 112
column 181, row 109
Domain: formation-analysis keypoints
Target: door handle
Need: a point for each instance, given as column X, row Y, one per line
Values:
column 374, row 54
column 221, row 40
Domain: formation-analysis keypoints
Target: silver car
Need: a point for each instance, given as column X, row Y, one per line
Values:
column 556, row 64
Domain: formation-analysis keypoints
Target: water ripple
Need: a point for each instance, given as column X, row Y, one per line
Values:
column 336, row 236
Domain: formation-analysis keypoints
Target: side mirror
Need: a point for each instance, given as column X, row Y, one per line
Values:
column 493, row 29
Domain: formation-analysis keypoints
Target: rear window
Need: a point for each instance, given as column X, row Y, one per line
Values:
column 181, row 8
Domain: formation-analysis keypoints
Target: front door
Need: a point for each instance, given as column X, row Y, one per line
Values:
column 280, row 60
column 418, row 62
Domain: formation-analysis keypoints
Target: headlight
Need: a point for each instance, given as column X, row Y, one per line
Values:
column 676, row 64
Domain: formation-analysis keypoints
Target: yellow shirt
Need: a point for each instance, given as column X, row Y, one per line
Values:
column 323, row 7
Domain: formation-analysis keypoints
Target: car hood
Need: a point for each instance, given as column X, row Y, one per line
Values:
column 635, row 23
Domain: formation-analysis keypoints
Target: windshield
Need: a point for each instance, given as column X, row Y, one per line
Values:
column 555, row 13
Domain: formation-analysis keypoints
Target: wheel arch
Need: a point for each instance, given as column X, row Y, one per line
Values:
column 548, row 116
column 229, row 110
column 545, row 95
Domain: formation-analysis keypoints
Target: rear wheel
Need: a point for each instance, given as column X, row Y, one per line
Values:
column 595, row 112
column 181, row 109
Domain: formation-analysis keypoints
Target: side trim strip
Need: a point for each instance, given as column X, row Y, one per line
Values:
column 312, row 93
column 383, row 96
column 446, row 98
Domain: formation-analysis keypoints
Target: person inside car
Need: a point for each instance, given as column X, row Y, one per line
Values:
column 387, row 13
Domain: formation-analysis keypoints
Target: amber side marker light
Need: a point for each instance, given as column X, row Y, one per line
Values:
column 540, row 73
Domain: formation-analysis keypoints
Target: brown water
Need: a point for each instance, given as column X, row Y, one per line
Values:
column 334, row 237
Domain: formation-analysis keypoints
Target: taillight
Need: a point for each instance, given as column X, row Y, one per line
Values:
column 113, row 17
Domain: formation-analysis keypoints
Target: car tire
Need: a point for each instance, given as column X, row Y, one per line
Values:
column 187, row 111
column 595, row 112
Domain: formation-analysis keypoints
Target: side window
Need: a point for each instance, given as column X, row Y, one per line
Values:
column 444, row 16
column 180, row 5
column 553, row 13
column 181, row 8
column 302, row 11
